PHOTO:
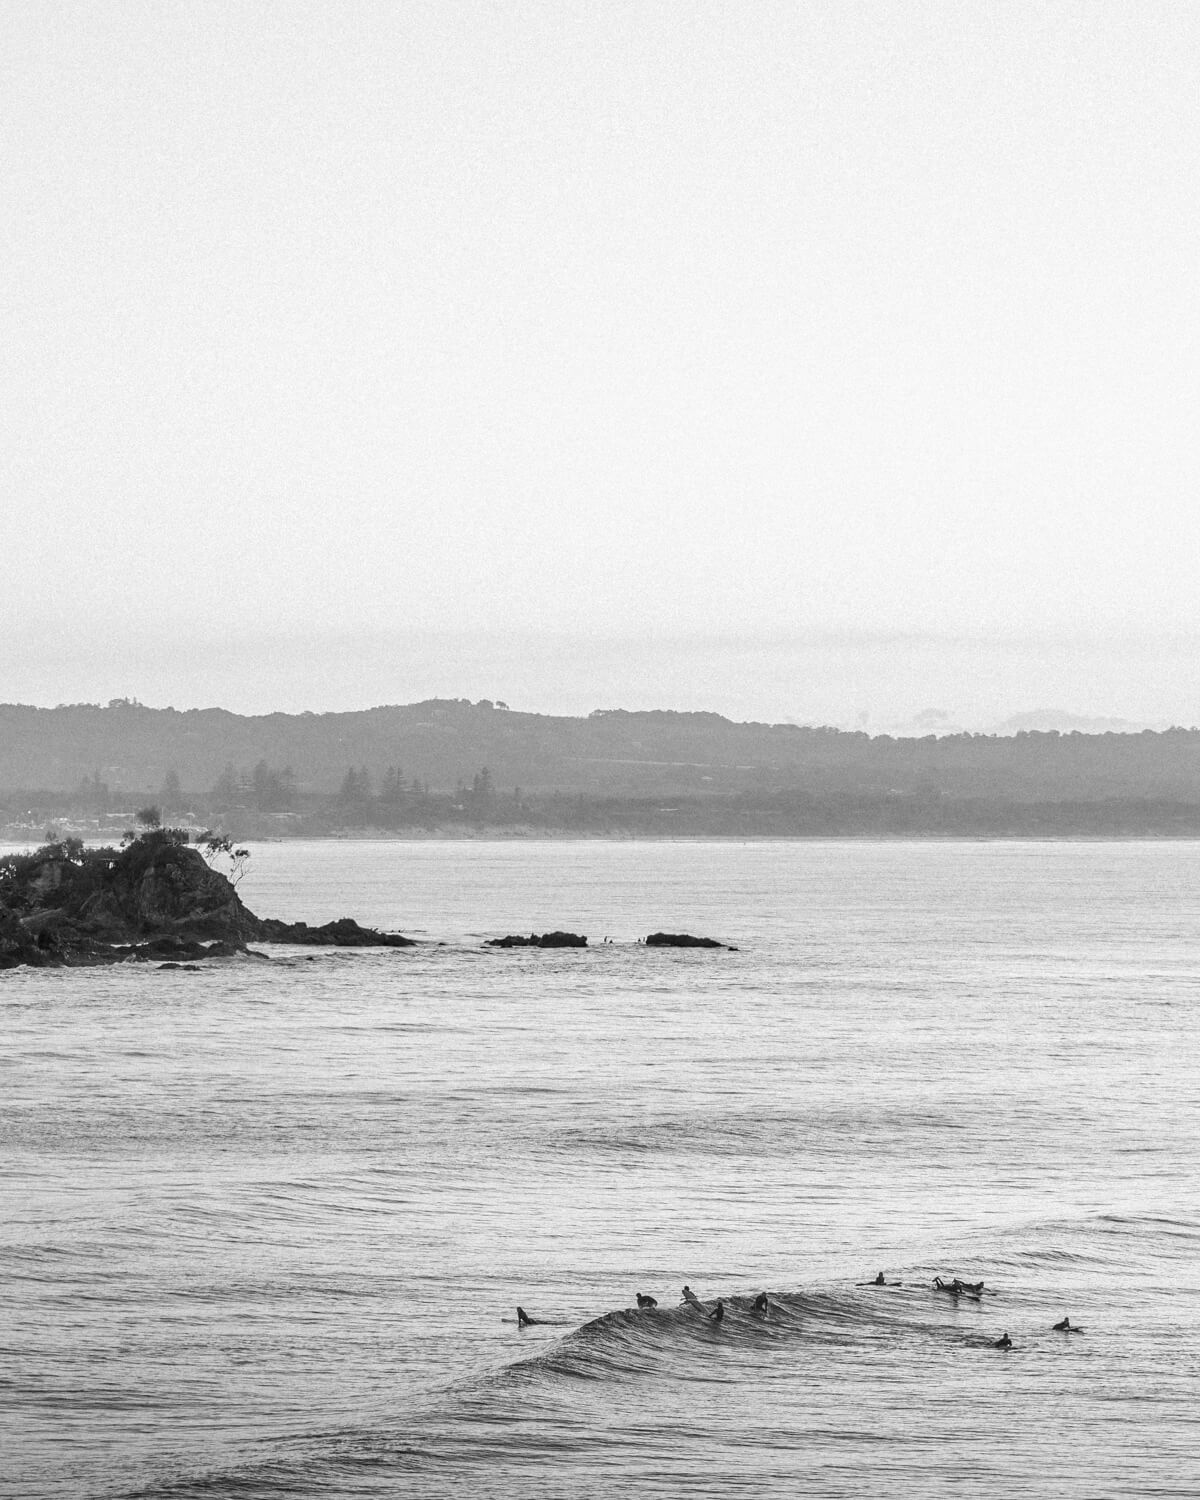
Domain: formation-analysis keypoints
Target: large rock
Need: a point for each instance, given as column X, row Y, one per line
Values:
column 539, row 940
column 344, row 933
column 156, row 898
column 682, row 940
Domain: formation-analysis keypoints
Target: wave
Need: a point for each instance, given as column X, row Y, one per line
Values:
column 684, row 1344
column 1088, row 1243
column 503, row 1413
column 819, row 1130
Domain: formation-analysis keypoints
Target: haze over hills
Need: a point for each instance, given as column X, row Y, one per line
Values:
column 939, row 722
column 445, row 743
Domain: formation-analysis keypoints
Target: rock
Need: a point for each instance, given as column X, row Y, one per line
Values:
column 683, row 940
column 155, row 899
column 344, row 933
column 539, row 940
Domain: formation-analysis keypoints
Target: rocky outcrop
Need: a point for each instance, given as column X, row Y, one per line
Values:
column 344, row 933
column 683, row 940
column 154, row 899
column 538, row 940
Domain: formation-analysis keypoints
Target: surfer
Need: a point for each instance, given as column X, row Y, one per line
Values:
column 879, row 1281
column 1003, row 1343
column 1066, row 1326
column 645, row 1301
column 761, row 1305
column 955, row 1288
column 523, row 1318
column 693, row 1301
column 718, row 1312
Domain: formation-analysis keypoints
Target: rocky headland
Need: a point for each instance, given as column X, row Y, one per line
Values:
column 157, row 898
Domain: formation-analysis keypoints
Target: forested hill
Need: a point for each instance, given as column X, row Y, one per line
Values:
column 611, row 753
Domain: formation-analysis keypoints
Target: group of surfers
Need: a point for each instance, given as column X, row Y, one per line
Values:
column 761, row 1306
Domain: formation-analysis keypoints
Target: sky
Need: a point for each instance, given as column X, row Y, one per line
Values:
column 810, row 360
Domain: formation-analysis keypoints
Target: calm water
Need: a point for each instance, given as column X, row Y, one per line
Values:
column 263, row 1226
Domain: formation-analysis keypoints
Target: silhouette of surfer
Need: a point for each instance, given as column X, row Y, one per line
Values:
column 955, row 1288
column 1066, row 1326
column 693, row 1301
column 718, row 1312
column 761, row 1304
column 523, row 1319
column 1003, row 1343
column 645, row 1301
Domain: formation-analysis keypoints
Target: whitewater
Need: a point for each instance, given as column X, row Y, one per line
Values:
column 265, row 1226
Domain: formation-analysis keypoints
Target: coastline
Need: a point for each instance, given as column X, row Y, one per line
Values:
column 15, row 840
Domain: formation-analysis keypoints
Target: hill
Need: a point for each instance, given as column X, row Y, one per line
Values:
column 613, row 770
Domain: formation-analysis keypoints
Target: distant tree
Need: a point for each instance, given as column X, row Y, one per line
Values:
column 149, row 817
column 393, row 787
column 225, row 789
column 356, row 787
column 92, row 795
column 269, row 789
column 262, row 782
column 171, row 793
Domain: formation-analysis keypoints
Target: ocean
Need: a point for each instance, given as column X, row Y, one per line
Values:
column 265, row 1226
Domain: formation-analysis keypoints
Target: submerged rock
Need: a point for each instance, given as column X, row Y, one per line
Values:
column 538, row 940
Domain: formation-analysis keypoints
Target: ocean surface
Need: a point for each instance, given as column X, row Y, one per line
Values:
column 264, row 1227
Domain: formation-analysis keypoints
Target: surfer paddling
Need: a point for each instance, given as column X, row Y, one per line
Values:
column 1066, row 1326
column 1004, row 1342
column 646, row 1301
column 955, row 1288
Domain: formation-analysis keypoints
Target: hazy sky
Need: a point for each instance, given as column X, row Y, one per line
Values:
column 466, row 347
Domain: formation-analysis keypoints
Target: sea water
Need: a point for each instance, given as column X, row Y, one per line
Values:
column 265, row 1226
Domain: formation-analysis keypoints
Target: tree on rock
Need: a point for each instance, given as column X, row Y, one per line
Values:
column 212, row 845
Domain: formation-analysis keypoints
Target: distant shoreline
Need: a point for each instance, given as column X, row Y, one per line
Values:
column 17, row 839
